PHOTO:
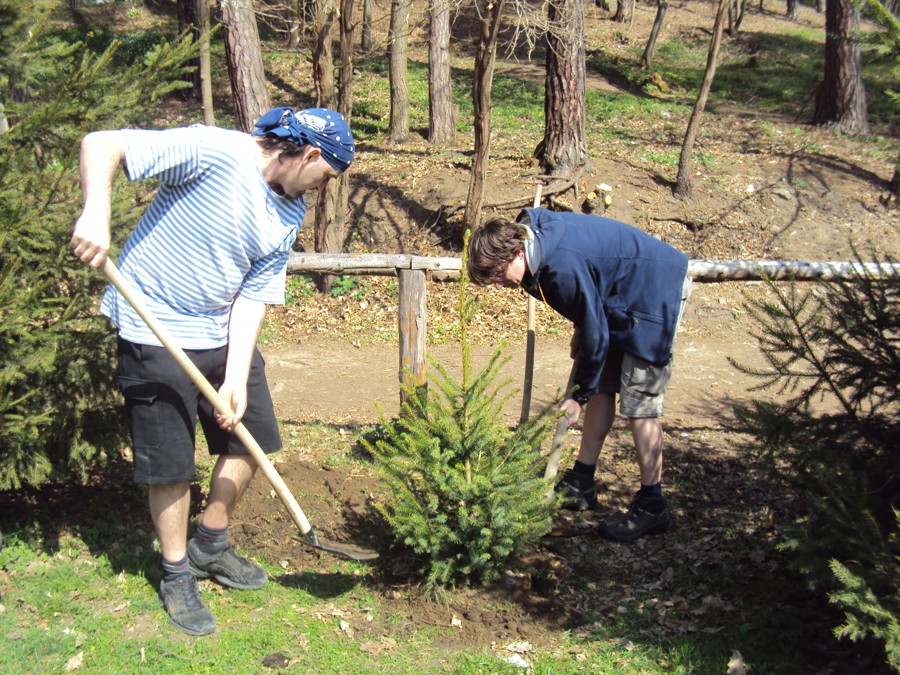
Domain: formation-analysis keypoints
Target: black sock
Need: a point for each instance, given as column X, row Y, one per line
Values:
column 584, row 469
column 173, row 570
column 211, row 541
column 651, row 491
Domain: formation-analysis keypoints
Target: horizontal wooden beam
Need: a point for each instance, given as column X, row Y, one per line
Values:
column 749, row 270
column 709, row 271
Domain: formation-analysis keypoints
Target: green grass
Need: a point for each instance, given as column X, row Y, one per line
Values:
column 71, row 604
column 82, row 582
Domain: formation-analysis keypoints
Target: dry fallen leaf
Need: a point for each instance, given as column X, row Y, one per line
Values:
column 519, row 647
column 736, row 664
column 74, row 663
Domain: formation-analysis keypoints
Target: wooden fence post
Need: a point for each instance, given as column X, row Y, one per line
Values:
column 413, row 329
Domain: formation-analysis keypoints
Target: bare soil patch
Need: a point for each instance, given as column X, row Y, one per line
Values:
column 773, row 193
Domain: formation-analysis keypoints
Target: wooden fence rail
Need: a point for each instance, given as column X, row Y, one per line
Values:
column 413, row 271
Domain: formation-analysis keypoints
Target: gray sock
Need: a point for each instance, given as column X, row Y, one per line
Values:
column 209, row 541
column 173, row 570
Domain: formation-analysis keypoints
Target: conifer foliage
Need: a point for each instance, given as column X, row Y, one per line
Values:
column 58, row 408
column 465, row 493
column 839, row 342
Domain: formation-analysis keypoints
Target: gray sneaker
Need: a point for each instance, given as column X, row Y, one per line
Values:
column 185, row 608
column 227, row 567
column 645, row 516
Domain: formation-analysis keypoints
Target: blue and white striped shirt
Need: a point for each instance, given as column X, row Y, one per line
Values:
column 214, row 230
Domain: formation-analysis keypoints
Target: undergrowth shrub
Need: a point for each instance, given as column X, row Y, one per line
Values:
column 58, row 406
column 463, row 491
column 838, row 343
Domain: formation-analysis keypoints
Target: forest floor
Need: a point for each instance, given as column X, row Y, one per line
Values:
column 779, row 189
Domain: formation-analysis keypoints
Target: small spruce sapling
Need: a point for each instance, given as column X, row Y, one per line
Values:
column 462, row 490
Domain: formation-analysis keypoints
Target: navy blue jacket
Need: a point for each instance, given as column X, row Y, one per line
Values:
column 618, row 285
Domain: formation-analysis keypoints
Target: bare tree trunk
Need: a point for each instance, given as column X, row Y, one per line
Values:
column 650, row 49
column 895, row 180
column 841, row 97
column 326, row 236
column 345, row 106
column 345, row 87
column 245, row 68
column 490, row 12
column 294, row 23
column 189, row 19
column 562, row 151
column 323, row 59
column 441, row 120
column 398, row 128
column 209, row 115
column 683, row 182
column 624, row 11
column 793, row 10
column 365, row 42
column 735, row 16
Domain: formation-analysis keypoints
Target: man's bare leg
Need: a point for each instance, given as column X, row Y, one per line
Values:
column 169, row 508
column 210, row 553
column 648, row 437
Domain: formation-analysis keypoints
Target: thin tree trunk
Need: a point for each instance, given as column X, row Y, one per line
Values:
column 841, row 97
column 345, row 86
column 345, row 106
column 294, row 24
column 650, row 49
column 365, row 42
column 490, row 13
column 398, row 128
column 683, row 182
column 189, row 19
column 245, row 68
column 895, row 180
column 441, row 118
column 562, row 151
column 325, row 238
column 209, row 115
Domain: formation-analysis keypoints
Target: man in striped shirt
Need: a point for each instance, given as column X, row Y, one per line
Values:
column 208, row 255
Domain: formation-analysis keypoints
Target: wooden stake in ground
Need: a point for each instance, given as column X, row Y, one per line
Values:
column 529, row 343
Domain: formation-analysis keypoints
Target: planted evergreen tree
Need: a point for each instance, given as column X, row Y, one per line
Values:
column 841, row 342
column 463, row 491
column 56, row 353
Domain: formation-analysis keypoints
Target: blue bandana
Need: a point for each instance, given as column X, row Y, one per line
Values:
column 324, row 129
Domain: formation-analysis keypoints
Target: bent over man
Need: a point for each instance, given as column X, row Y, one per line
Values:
column 624, row 291
column 207, row 256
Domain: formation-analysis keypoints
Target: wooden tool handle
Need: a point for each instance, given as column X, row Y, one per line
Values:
column 562, row 426
column 116, row 279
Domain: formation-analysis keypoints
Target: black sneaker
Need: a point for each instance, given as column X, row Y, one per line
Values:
column 184, row 606
column 579, row 492
column 227, row 567
column 645, row 516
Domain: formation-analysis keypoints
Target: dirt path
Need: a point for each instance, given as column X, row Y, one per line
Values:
column 333, row 380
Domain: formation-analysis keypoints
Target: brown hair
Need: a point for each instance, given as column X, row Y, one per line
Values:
column 283, row 147
column 492, row 248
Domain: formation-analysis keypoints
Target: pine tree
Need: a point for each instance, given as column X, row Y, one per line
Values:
column 840, row 340
column 464, row 492
column 58, row 408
